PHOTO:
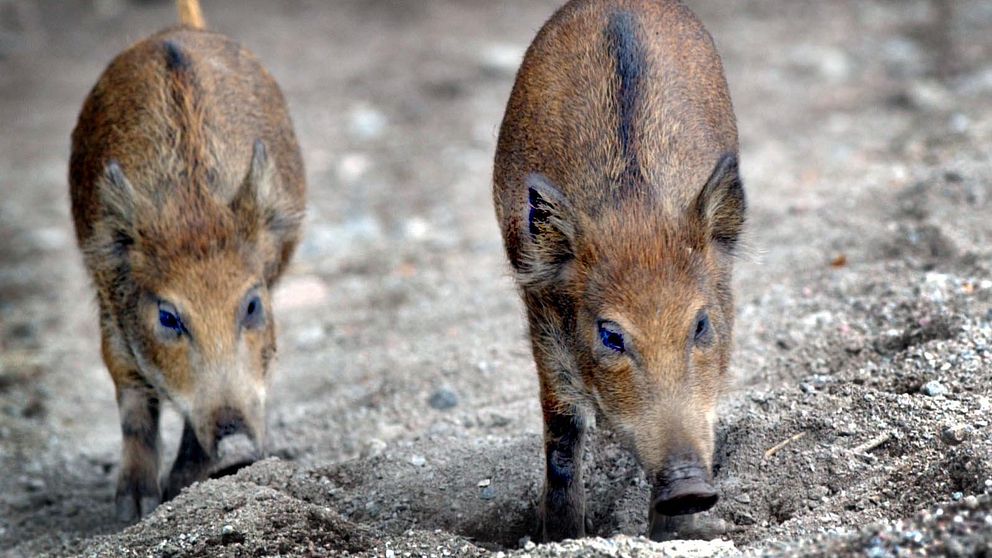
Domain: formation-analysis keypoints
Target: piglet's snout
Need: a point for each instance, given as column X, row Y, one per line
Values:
column 683, row 488
column 229, row 422
column 236, row 443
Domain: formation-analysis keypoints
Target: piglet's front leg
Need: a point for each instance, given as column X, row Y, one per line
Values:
column 138, row 492
column 563, row 503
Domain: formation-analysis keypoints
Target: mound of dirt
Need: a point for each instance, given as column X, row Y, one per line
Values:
column 403, row 414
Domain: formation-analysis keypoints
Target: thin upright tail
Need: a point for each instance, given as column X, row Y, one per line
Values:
column 190, row 14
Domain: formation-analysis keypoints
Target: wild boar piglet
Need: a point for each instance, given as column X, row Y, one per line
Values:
column 187, row 192
column 617, row 192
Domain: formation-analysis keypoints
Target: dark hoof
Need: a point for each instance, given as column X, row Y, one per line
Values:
column 135, row 501
column 557, row 529
column 671, row 527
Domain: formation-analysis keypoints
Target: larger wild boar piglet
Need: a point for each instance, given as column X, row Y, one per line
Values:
column 187, row 194
column 617, row 193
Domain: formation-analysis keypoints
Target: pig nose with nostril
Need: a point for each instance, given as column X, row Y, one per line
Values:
column 229, row 422
column 235, row 445
column 684, row 489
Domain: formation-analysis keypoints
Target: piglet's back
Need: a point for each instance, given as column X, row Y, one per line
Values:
column 614, row 96
column 183, row 103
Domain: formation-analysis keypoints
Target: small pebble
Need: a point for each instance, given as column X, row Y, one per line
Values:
column 502, row 58
column 309, row 337
column 933, row 388
column 300, row 292
column 366, row 122
column 50, row 238
column 914, row 537
column 353, row 166
column 417, row 228
column 955, row 434
column 229, row 535
column 372, row 448
column 417, row 460
column 819, row 493
column 443, row 399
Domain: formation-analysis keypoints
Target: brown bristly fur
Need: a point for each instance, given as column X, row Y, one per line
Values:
column 617, row 193
column 187, row 191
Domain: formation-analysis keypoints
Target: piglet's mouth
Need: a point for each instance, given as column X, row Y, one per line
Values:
column 229, row 469
column 233, row 454
column 683, row 489
column 685, row 496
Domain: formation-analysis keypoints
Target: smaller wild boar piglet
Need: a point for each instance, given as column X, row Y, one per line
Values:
column 618, row 197
column 187, row 194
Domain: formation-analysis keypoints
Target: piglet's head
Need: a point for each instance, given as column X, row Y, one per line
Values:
column 192, row 276
column 648, row 317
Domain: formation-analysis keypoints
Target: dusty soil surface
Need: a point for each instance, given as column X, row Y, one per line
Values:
column 404, row 418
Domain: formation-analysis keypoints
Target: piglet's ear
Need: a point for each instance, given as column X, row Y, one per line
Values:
column 722, row 204
column 120, row 204
column 260, row 204
column 116, row 231
column 117, row 197
column 547, row 245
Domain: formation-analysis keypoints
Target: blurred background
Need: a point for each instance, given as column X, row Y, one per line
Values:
column 865, row 131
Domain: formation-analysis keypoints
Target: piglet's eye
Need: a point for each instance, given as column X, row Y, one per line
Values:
column 169, row 320
column 611, row 336
column 704, row 333
column 252, row 313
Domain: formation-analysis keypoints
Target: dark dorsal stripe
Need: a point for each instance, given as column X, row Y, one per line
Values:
column 175, row 59
column 187, row 112
column 628, row 54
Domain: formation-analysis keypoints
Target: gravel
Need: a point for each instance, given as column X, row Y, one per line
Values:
column 404, row 375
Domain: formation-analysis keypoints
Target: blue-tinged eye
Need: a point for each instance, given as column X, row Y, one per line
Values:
column 611, row 336
column 252, row 312
column 703, row 334
column 168, row 319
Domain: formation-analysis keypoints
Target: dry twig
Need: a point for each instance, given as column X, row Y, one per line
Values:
column 873, row 443
column 774, row 449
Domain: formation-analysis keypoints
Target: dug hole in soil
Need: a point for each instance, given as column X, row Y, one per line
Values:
column 404, row 417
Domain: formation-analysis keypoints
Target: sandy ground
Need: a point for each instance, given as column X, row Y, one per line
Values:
column 404, row 381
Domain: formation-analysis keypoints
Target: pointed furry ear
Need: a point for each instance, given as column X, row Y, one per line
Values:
column 548, row 239
column 722, row 204
column 247, row 204
column 262, row 175
column 120, row 204
column 258, row 203
column 117, row 196
column 266, row 215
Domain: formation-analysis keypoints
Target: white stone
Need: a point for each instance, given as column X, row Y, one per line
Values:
column 353, row 166
column 303, row 291
column 366, row 122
